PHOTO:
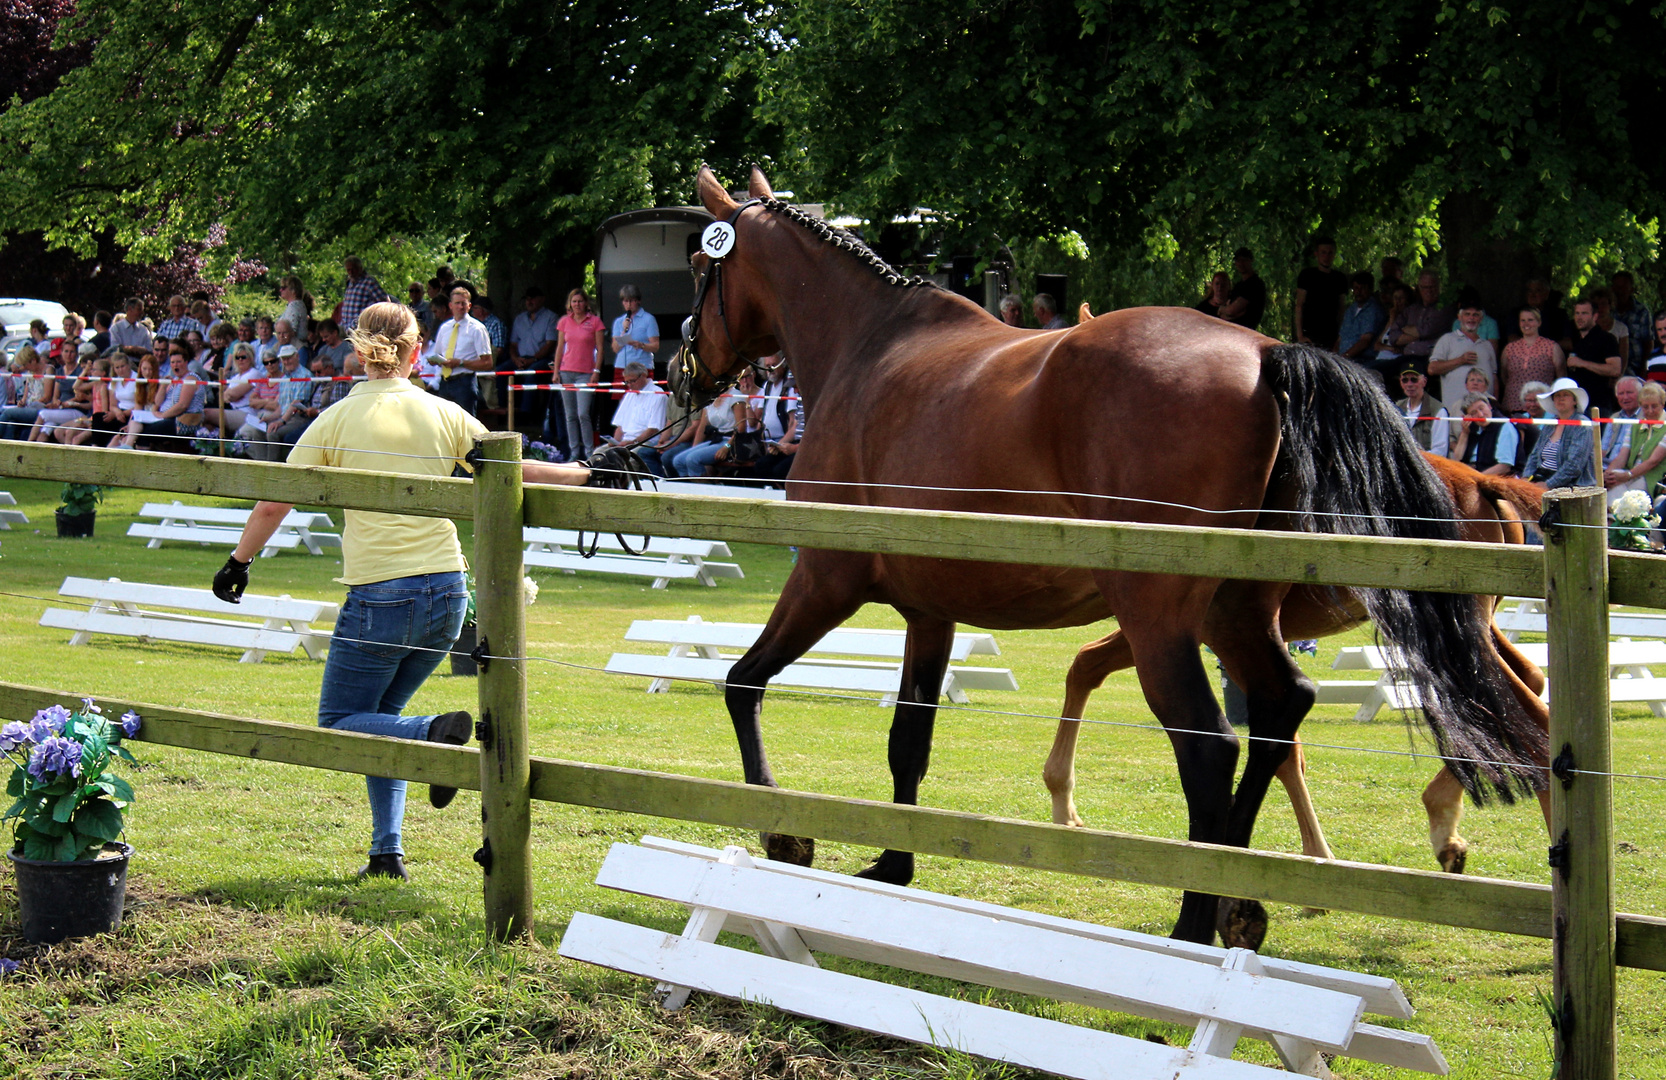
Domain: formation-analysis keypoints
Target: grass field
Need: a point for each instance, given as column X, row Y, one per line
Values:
column 250, row 950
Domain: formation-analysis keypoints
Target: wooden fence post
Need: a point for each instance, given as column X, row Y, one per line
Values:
column 505, row 768
column 1581, row 808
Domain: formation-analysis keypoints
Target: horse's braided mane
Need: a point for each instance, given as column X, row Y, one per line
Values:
column 847, row 241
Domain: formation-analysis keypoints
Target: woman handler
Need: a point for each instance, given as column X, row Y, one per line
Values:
column 406, row 593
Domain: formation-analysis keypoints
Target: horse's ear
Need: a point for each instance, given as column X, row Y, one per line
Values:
column 712, row 195
column 1083, row 314
column 757, row 186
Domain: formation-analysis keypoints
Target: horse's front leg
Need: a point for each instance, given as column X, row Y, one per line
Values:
column 925, row 659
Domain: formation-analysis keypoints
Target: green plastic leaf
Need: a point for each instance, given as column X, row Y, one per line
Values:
column 64, row 808
column 68, row 849
column 40, row 847
column 100, row 818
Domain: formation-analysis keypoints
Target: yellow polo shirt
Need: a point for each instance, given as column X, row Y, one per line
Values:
column 368, row 429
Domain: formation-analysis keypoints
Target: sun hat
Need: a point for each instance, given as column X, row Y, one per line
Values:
column 287, row 350
column 1571, row 387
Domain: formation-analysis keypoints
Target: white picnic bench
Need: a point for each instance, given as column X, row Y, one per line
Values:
column 697, row 654
column 224, row 525
column 1526, row 615
column 1630, row 674
column 128, row 609
column 1304, row 1010
column 9, row 517
column 733, row 491
column 664, row 559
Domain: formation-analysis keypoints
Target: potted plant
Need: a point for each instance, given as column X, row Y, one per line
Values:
column 79, row 509
column 461, row 662
column 1631, row 519
column 67, row 814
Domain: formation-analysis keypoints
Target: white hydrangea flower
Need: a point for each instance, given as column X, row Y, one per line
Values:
column 1632, row 505
column 529, row 589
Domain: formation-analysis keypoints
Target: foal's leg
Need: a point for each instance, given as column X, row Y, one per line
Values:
column 1093, row 664
column 1293, row 775
column 1242, row 628
column 924, row 660
column 821, row 592
column 1161, row 616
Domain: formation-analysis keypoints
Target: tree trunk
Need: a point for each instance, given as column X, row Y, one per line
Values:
column 1498, row 266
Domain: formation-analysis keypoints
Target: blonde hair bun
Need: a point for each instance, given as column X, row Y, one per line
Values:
column 386, row 333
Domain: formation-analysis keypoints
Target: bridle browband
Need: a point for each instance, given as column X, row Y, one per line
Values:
column 686, row 366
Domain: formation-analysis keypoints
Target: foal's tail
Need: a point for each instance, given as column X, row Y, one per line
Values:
column 1357, row 471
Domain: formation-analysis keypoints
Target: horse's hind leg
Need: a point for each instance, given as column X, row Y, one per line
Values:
column 806, row 610
column 925, row 659
column 1093, row 664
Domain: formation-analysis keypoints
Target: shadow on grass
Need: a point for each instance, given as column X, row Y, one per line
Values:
column 372, row 902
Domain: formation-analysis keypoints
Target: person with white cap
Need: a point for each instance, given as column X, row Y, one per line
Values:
column 1565, row 455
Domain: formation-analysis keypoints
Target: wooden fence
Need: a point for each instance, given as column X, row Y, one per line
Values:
column 1574, row 571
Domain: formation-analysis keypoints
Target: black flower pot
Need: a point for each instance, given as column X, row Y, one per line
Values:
column 76, row 524
column 461, row 662
column 62, row 900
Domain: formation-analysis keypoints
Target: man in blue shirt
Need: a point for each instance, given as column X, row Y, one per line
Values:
column 1362, row 321
column 635, row 333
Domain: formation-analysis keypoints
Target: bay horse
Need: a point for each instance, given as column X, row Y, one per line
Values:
column 1491, row 509
column 921, row 399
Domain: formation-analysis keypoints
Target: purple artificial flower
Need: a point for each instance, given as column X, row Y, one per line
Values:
column 8, row 966
column 54, row 717
column 130, row 723
column 13, row 735
column 54, row 757
column 87, row 706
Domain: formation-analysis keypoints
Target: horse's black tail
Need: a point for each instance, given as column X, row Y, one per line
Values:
column 1357, row 471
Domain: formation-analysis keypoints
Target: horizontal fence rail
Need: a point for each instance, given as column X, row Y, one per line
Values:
column 1436, row 566
column 1425, row 896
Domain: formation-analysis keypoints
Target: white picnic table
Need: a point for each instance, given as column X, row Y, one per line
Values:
column 224, row 525
column 665, row 559
column 9, row 517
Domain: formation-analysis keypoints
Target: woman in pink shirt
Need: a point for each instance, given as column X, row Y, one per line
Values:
column 578, row 342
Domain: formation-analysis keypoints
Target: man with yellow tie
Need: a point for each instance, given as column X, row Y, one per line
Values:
column 460, row 348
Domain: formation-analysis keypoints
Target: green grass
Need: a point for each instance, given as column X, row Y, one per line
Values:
column 250, row 951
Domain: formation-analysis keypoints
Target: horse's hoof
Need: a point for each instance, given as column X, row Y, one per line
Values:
column 1242, row 924
column 798, row 850
column 892, row 867
column 1453, row 856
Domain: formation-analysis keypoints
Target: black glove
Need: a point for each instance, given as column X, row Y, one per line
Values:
column 231, row 580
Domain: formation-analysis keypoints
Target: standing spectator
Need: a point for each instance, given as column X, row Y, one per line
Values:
column 1529, row 358
column 101, row 331
column 636, row 332
column 295, row 307
column 531, row 344
column 1654, row 368
column 418, row 302
column 1470, row 296
column 1456, row 353
column 1362, row 321
column 1616, row 438
column 1216, row 296
column 129, row 334
column 1248, row 300
column 1390, row 280
column 459, row 349
column 361, row 291
column 1012, row 310
column 1425, row 417
column 1046, row 311
column 1638, row 322
column 332, row 346
column 1321, row 292
column 1553, row 321
column 482, row 311
column 1603, row 298
column 1423, row 322
column 178, row 320
column 1594, row 361
column 578, row 343
column 641, row 414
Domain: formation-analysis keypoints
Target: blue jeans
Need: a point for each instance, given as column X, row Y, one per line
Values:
column 653, row 458
column 390, row 636
column 695, row 460
column 460, row 389
column 16, row 420
column 575, row 405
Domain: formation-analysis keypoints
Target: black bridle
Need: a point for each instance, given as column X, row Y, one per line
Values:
column 687, row 366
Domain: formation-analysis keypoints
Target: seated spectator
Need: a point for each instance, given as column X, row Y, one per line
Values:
column 1387, row 351
column 179, row 320
column 1460, row 351
column 266, row 338
column 1476, row 382
column 1530, row 358
column 776, row 408
column 230, row 414
column 101, row 331
column 640, row 414
column 40, row 340
column 67, row 349
column 711, row 430
column 1423, row 322
column 104, row 418
column 1217, row 295
column 1046, row 310
column 70, row 400
column 1483, row 445
column 1012, row 310
column 1644, row 459
column 260, row 410
column 1615, row 437
column 286, row 333
column 149, row 388
column 1531, row 410
column 1594, row 361
column 1565, row 455
column 113, row 402
column 298, row 409
column 1425, row 417
column 332, row 346
column 31, row 393
column 1362, row 321
column 212, row 362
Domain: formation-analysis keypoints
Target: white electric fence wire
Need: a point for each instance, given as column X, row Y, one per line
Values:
column 965, row 709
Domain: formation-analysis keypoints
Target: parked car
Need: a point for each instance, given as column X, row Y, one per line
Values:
column 16, row 313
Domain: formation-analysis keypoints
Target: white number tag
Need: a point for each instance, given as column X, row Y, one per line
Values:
column 718, row 239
